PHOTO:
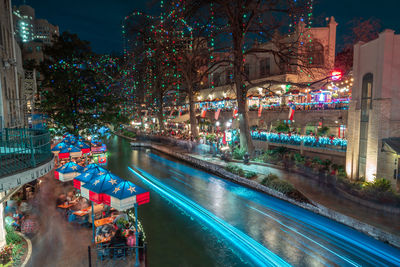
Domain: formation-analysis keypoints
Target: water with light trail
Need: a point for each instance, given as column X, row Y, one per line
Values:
column 197, row 219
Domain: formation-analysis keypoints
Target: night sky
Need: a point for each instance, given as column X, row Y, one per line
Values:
column 98, row 21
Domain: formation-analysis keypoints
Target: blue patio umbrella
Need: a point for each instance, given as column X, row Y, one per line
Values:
column 68, row 171
column 95, row 189
column 59, row 147
column 125, row 195
column 69, row 151
column 94, row 167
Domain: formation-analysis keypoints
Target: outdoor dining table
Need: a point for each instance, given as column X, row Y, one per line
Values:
column 103, row 221
column 63, row 206
column 103, row 239
column 81, row 212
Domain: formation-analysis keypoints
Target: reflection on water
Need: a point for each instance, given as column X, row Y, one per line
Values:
column 176, row 239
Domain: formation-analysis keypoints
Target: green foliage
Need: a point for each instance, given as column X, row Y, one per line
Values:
column 129, row 134
column 282, row 127
column 17, row 252
column 6, row 255
column 11, row 236
column 379, row 185
column 272, row 181
column 323, row 131
column 281, row 186
column 211, row 137
column 238, row 153
column 269, row 178
column 280, row 152
column 250, row 174
column 299, row 159
column 235, row 169
column 79, row 88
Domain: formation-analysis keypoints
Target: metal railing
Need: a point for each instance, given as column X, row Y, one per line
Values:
column 22, row 149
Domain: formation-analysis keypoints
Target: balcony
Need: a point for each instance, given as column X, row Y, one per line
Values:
column 25, row 155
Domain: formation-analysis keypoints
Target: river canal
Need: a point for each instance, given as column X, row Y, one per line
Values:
column 197, row 219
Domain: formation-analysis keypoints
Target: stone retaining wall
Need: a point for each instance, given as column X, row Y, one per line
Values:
column 314, row 207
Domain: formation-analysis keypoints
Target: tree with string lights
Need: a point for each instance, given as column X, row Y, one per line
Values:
column 239, row 23
column 79, row 89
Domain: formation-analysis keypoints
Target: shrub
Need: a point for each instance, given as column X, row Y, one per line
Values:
column 129, row 134
column 323, row 131
column 268, row 179
column 379, row 185
column 6, row 254
column 282, row 127
column 272, row 181
column 299, row 159
column 238, row 153
column 235, row 169
column 17, row 252
column 281, row 186
column 280, row 151
column 230, row 167
column 250, row 174
column 11, row 236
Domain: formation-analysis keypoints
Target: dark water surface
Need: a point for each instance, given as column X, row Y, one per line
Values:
column 177, row 237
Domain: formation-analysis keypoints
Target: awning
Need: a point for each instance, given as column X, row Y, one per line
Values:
column 393, row 143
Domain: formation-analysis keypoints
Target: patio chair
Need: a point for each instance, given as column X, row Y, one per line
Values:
column 118, row 251
column 102, row 252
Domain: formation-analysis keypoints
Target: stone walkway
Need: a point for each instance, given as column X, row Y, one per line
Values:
column 322, row 194
column 60, row 243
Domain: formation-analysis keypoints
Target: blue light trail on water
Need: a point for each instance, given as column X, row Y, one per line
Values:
column 323, row 239
column 256, row 252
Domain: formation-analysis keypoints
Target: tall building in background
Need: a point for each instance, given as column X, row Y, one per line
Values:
column 24, row 18
column 11, row 72
column 32, row 33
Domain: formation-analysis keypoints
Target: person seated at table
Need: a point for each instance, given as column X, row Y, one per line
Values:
column 121, row 220
column 29, row 226
column 61, row 200
column 71, row 198
column 104, row 229
column 117, row 239
column 9, row 221
column 131, row 239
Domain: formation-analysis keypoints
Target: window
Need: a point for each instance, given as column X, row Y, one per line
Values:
column 366, row 105
column 315, row 54
column 265, row 67
column 38, row 48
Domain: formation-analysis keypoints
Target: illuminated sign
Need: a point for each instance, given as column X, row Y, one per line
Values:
column 336, row 75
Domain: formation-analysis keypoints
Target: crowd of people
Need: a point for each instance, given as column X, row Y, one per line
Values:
column 20, row 214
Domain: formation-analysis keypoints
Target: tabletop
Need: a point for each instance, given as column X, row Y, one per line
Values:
column 103, row 221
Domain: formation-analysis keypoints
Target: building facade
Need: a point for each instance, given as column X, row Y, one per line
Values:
column 374, row 112
column 11, row 72
column 261, row 66
column 32, row 33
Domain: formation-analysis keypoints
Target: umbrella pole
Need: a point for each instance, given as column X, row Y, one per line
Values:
column 137, row 238
column 93, row 233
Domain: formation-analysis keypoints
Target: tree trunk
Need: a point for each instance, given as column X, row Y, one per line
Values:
column 192, row 113
column 160, row 112
column 246, row 142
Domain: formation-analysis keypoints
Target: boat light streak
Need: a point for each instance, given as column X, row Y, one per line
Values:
column 259, row 254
